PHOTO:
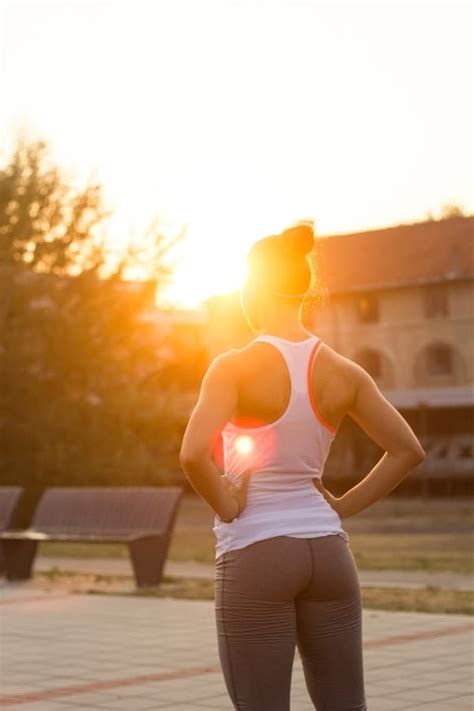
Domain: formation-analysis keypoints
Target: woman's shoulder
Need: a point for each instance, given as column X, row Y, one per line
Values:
column 224, row 362
column 233, row 356
column 341, row 365
column 340, row 374
column 235, row 363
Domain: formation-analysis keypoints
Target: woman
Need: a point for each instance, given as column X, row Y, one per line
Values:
column 285, row 573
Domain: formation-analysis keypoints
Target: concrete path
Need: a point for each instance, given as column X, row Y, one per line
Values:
column 189, row 569
column 65, row 652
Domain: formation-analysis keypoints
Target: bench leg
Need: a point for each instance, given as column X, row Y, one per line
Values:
column 19, row 558
column 148, row 558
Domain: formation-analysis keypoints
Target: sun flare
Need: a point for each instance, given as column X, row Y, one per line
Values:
column 199, row 275
column 244, row 444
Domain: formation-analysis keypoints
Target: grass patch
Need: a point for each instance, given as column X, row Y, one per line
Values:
column 180, row 589
column 429, row 599
column 433, row 599
column 374, row 551
column 55, row 574
column 406, row 551
column 197, row 545
column 53, row 549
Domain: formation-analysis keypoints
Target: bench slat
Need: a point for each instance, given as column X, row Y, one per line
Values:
column 114, row 511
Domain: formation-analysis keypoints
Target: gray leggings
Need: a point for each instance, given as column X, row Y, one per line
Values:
column 281, row 592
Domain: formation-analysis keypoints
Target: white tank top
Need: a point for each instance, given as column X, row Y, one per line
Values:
column 284, row 456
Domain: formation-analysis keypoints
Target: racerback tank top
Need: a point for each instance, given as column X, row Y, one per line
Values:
column 284, row 457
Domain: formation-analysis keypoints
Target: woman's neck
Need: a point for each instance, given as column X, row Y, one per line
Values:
column 285, row 324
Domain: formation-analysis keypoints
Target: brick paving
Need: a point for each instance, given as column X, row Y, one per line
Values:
column 66, row 652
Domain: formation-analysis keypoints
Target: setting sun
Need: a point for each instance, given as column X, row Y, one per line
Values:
column 235, row 119
column 209, row 269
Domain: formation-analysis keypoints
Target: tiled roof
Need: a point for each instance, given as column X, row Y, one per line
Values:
column 407, row 254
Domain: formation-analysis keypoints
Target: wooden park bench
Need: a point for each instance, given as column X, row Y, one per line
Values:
column 141, row 517
column 9, row 499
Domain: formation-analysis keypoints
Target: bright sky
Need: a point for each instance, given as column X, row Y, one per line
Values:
column 238, row 117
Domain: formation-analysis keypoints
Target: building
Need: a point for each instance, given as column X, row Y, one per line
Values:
column 399, row 301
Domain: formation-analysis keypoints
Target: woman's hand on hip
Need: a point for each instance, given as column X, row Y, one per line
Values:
column 333, row 501
column 238, row 494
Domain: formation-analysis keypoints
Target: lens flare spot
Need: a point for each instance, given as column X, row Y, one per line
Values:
column 244, row 444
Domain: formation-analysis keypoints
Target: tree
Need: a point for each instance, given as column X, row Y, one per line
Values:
column 451, row 210
column 45, row 223
column 148, row 257
column 76, row 405
column 48, row 225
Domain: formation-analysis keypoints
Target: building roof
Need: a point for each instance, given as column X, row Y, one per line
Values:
column 424, row 252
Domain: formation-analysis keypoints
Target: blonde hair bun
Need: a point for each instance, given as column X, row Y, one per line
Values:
column 297, row 240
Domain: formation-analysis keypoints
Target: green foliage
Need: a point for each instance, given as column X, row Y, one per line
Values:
column 85, row 396
column 76, row 404
column 44, row 221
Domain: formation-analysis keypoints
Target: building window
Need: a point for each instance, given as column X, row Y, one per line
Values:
column 371, row 362
column 439, row 360
column 436, row 301
column 368, row 308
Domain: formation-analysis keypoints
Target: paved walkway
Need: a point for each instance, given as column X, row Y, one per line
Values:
column 64, row 652
column 368, row 578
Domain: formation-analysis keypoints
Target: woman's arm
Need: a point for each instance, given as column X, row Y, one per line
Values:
column 217, row 403
column 387, row 428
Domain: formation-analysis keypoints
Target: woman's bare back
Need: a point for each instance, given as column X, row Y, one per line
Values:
column 264, row 385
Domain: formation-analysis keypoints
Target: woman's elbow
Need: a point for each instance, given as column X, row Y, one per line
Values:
column 411, row 454
column 186, row 460
column 190, row 460
column 416, row 455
